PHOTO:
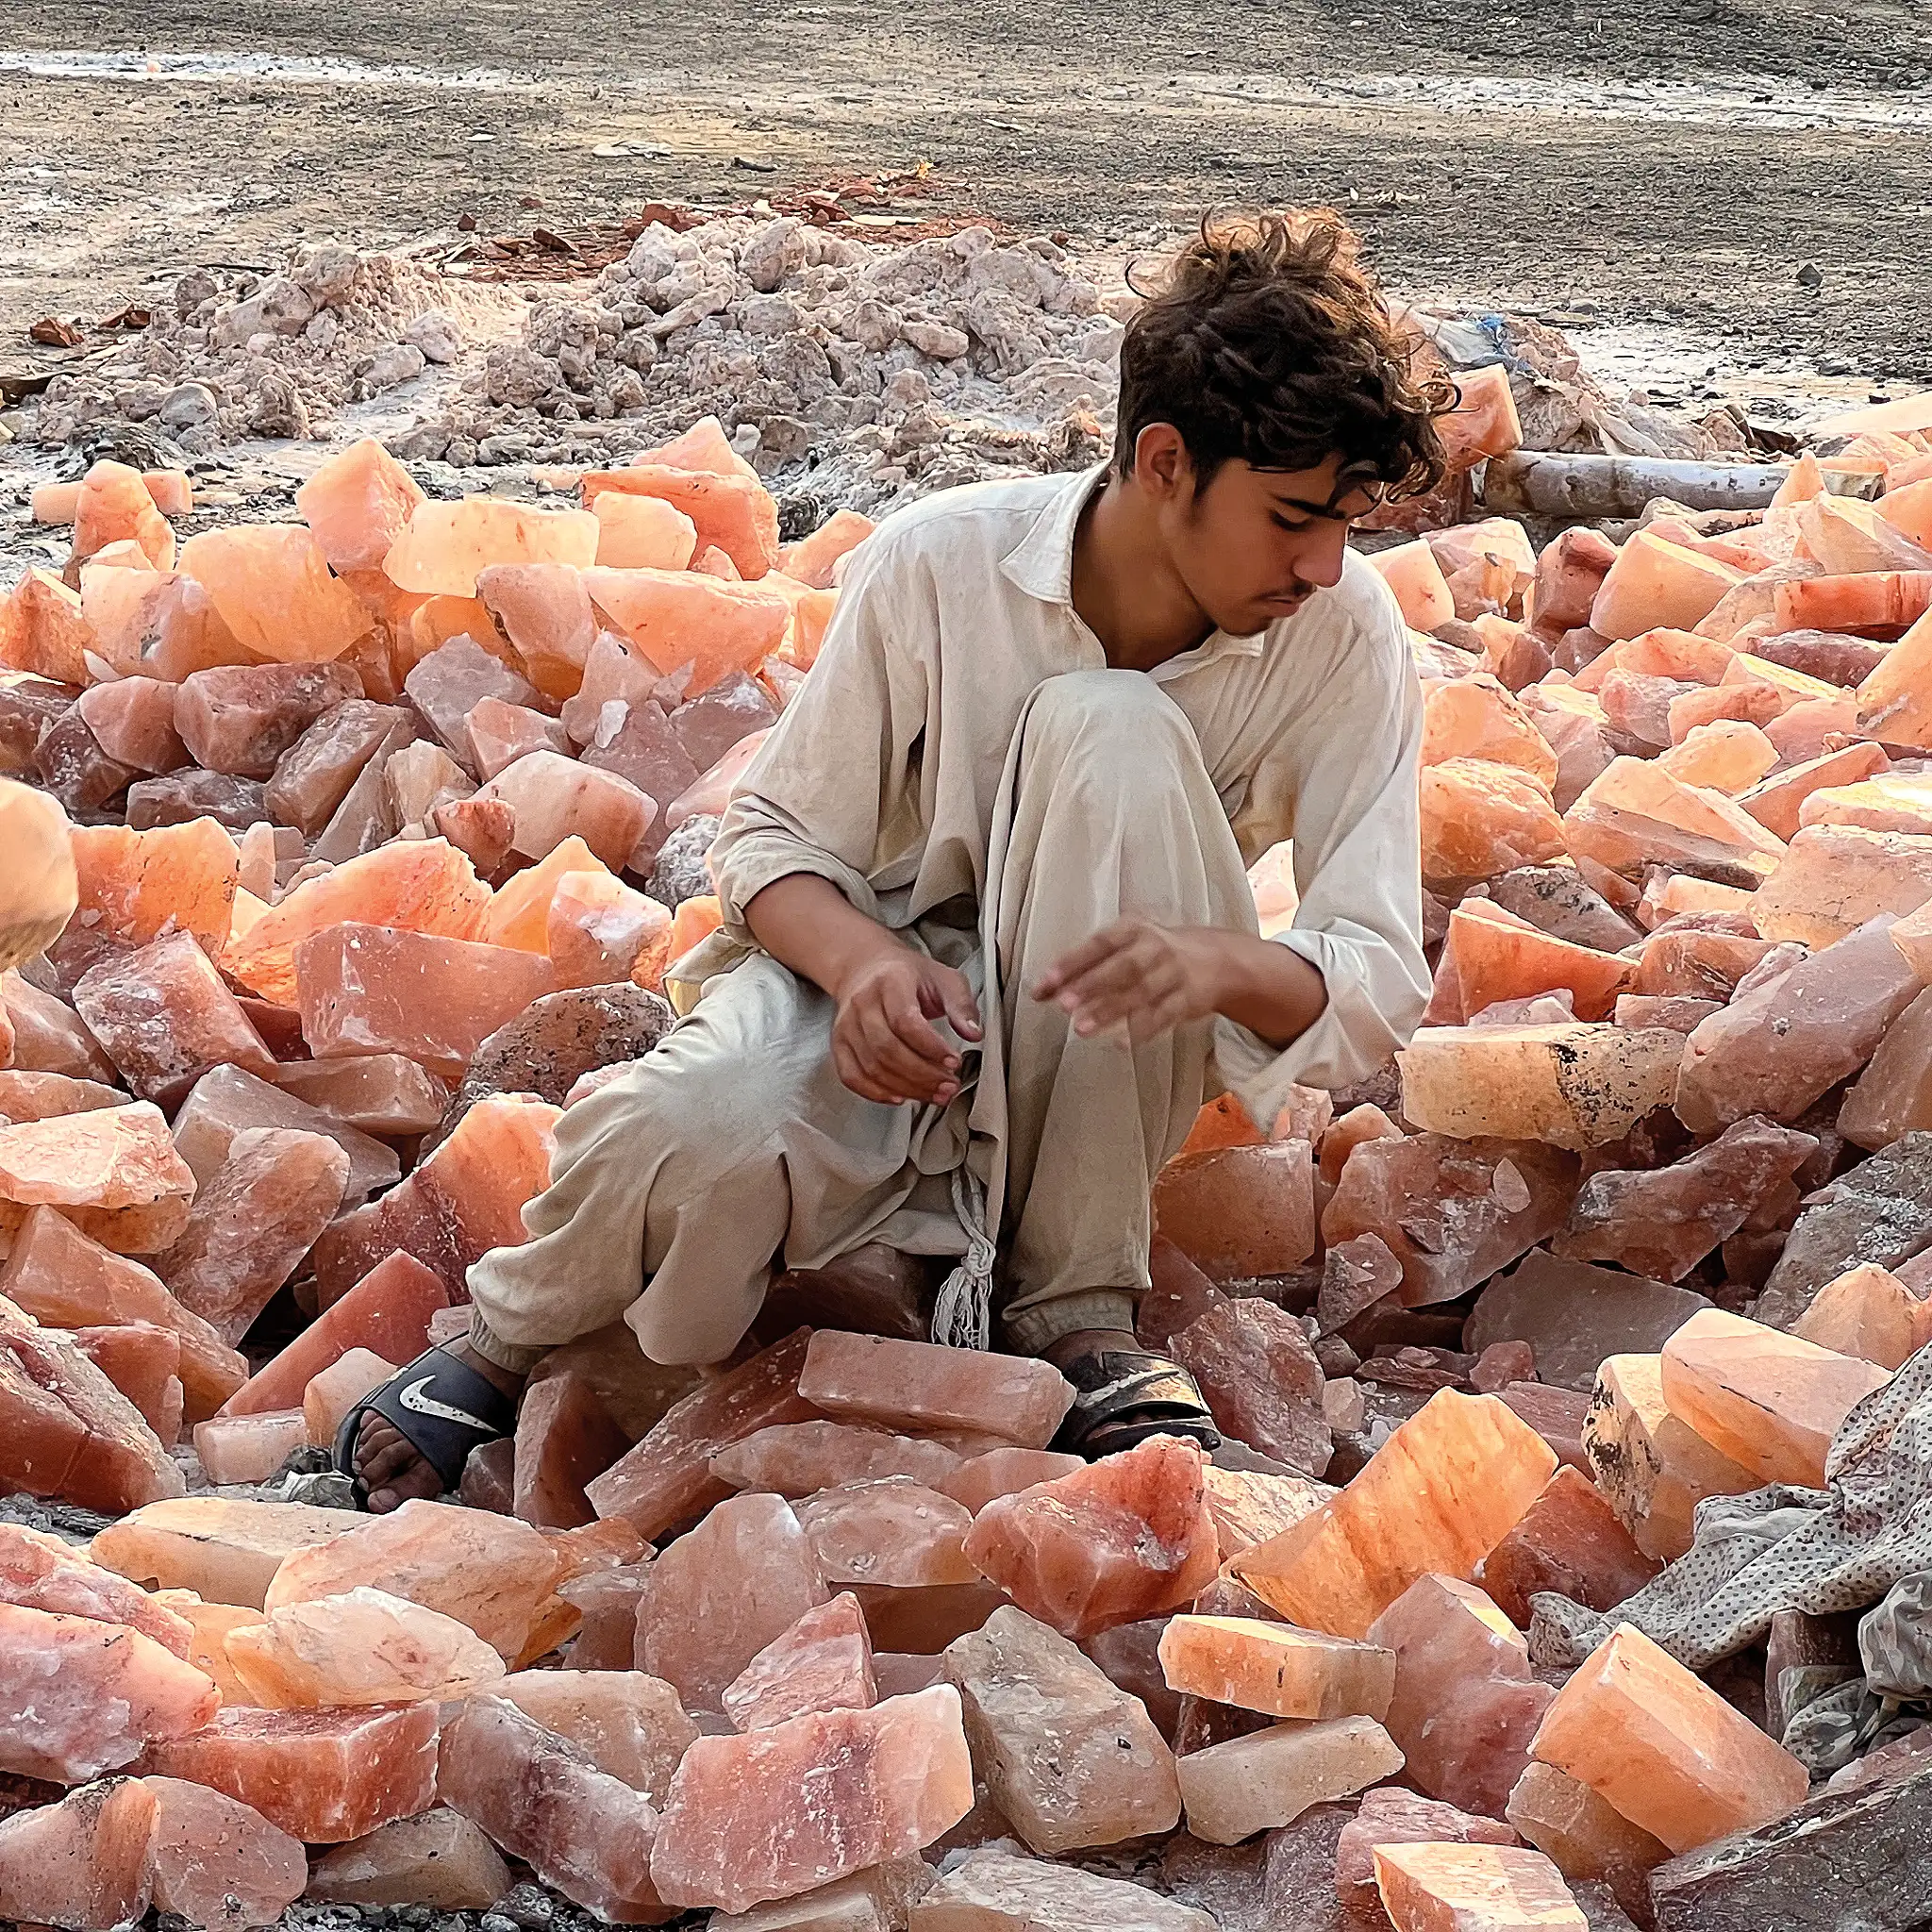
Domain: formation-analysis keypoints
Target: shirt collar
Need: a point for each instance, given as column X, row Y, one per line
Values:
column 1042, row 564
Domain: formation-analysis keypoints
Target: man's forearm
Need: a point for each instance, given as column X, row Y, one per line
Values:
column 1268, row 988
column 808, row 924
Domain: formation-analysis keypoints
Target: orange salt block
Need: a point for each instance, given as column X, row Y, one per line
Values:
column 1446, row 1887
column 600, row 932
column 1484, row 421
column 1440, row 1493
column 546, row 612
column 1241, row 1212
column 331, row 1396
column 1571, row 1541
column 822, row 1662
column 1769, row 1401
column 703, row 446
column 113, row 1172
column 519, row 913
column 272, row 588
column 113, row 503
column 812, row 617
column 467, row 1198
column 39, row 888
column 1835, row 879
column 135, row 885
column 1275, row 1668
column 323, row 1776
column 1411, row 572
column 713, row 790
column 876, row 1379
column 1778, row 802
column 1882, row 604
column 1654, row 584
column 1479, row 819
column 1636, row 814
column 1499, row 957
column 387, row 1312
column 88, row 1860
column 1727, row 755
column 144, row 1363
column 1909, row 510
column 1664, row 1749
column 554, row 797
column 735, row 513
column 1891, row 1098
column 679, row 618
column 42, row 629
column 1850, row 537
column 445, row 545
column 1476, row 718
column 642, row 532
column 420, row 885
column 1671, row 894
column 812, row 559
column 1867, row 1313
column 1222, row 1122
column 372, row 988
column 364, row 1647
column 248, row 1449
column 357, row 503
column 172, row 490
column 1895, row 699
column 696, row 918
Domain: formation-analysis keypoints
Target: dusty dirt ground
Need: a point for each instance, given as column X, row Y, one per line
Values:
column 1670, row 162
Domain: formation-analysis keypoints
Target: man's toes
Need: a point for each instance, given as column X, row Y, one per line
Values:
column 415, row 1480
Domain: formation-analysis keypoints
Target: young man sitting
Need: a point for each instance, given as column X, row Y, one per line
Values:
column 988, row 942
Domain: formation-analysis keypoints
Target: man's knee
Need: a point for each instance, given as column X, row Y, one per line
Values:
column 1118, row 726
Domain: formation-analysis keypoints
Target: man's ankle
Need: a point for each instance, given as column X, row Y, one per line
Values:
column 508, row 1380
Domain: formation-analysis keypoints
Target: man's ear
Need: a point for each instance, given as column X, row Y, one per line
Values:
column 1162, row 464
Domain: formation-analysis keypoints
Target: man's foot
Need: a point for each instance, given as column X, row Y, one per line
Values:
column 1125, row 1394
column 455, row 1416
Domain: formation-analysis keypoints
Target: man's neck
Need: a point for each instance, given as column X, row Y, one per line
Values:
column 1124, row 590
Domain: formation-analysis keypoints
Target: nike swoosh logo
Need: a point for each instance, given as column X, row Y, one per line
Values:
column 413, row 1399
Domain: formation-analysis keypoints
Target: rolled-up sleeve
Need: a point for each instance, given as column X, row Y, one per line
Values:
column 833, row 787
column 1348, row 765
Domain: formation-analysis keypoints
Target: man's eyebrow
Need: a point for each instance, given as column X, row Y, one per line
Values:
column 1314, row 509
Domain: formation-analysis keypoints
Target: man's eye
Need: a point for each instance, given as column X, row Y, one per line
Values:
column 1291, row 522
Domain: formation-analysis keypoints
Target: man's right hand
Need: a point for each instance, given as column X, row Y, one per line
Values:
column 884, row 1043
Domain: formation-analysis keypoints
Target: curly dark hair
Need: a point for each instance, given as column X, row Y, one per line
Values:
column 1267, row 340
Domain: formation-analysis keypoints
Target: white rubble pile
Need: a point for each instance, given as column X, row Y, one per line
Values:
column 867, row 373
column 243, row 355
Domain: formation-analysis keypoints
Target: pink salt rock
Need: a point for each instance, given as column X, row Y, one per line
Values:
column 1569, row 1540
column 318, row 773
column 585, row 1833
column 134, row 886
column 1834, row 878
column 1891, row 700
column 1635, row 813
column 642, row 532
column 545, row 611
column 1585, row 1838
column 599, row 931
column 888, row 1531
column 227, row 1101
column 222, row 1550
column 1001, row 1473
column 554, row 798
column 1438, row 1495
column 331, row 1395
column 1870, row 1313
column 1123, row 1539
column 1261, row 1379
column 364, row 1647
column 1275, row 1667
column 1476, row 718
column 113, row 1172
column 113, row 505
column 1387, row 1816
column 801, row 1459
column 1479, row 819
column 1777, row 802
column 1436, row 1887
column 501, row 733
column 467, row 1198
column 47, row 1036
column 876, row 1785
column 1499, row 956
column 272, row 588
column 61, row 1278
column 165, row 1017
column 1889, row 1099
column 42, row 630
column 218, row 1862
column 68, row 1433
column 79, row 1696
column 712, row 723
column 1769, row 1401
column 719, row 1595
column 812, row 559
column 822, row 1662
column 436, row 1858
column 714, row 792
column 372, row 989
column 323, row 1776
column 1265, row 1779
column 607, row 1600
column 873, row 1378
column 1664, row 1749
column 1452, row 1213
column 450, row 683
column 666, row 1479
column 419, row 885
column 444, row 545
column 252, row 1224
column 144, row 1363
column 1241, row 1212
column 133, row 722
column 491, row 1572
column 357, row 503
column 629, row 1725
column 1653, row 584
column 1465, row 1706
column 374, row 1093
column 732, row 511
column 75, row 768
column 250, row 1448
column 615, row 672
column 565, row 1437
column 1411, row 572
column 39, row 1572
column 1663, row 1222
column 1776, row 1049
column 679, row 619
column 86, row 1861
column 1249, row 1507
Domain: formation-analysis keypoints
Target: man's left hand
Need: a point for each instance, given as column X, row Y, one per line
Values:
column 1151, row 978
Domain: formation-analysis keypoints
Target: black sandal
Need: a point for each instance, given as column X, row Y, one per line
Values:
column 440, row 1407
column 1122, row 1396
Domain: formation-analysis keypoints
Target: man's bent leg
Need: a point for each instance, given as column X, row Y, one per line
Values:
column 1115, row 817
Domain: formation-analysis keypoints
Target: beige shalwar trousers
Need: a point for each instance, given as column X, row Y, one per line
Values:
column 733, row 1149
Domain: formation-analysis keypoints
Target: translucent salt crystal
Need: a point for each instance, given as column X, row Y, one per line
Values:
column 1473, row 1889
column 870, row 1378
column 86, row 1861
column 1570, row 1541
column 628, row 1723
column 436, row 1858
column 250, row 1448
column 1275, row 1668
column 822, row 1662
column 1268, row 1778
column 225, row 1550
column 218, row 1862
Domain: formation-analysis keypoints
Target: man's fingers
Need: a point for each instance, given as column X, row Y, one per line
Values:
column 915, row 1032
column 889, row 1060
column 1082, row 959
column 951, row 997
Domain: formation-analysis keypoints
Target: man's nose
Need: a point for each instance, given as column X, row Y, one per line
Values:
column 1318, row 559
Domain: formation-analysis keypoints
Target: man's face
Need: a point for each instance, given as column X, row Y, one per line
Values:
column 1254, row 545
